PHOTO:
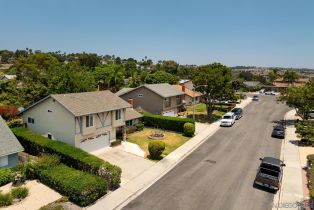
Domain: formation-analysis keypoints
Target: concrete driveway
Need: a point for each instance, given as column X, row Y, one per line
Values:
column 131, row 165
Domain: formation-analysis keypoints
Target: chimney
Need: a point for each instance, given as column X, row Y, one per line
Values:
column 183, row 88
column 130, row 101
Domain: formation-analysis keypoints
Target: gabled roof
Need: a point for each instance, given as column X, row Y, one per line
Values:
column 123, row 91
column 131, row 114
column 164, row 90
column 85, row 103
column 9, row 143
column 188, row 91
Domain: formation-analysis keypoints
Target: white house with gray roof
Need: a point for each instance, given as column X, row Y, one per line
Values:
column 9, row 146
column 163, row 99
column 89, row 120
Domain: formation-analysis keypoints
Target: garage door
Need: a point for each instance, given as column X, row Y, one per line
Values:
column 96, row 143
column 169, row 113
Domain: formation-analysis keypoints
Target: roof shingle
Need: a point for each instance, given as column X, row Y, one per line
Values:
column 8, row 142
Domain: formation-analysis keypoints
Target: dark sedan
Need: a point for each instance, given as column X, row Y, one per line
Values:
column 278, row 132
column 238, row 112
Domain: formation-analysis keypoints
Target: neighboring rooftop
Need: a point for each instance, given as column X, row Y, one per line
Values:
column 88, row 102
column 188, row 91
column 123, row 91
column 251, row 83
column 164, row 89
column 131, row 114
column 9, row 143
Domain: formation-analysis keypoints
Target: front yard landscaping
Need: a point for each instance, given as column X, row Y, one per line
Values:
column 201, row 113
column 173, row 140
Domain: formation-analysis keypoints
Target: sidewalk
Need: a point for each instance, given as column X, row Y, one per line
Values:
column 291, row 192
column 129, row 191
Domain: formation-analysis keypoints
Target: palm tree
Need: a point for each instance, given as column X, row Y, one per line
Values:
column 290, row 76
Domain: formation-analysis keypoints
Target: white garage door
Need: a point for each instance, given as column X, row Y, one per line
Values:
column 97, row 143
column 169, row 113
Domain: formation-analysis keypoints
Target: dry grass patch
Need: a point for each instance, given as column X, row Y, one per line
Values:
column 172, row 140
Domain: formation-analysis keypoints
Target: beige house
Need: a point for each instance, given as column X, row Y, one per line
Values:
column 89, row 120
column 163, row 99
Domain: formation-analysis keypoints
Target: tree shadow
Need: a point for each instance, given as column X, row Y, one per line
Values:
column 202, row 118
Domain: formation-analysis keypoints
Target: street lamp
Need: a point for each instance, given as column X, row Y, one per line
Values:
column 194, row 87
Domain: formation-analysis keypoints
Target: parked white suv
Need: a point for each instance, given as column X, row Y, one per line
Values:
column 228, row 119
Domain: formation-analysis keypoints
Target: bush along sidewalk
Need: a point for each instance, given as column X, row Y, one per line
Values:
column 310, row 176
column 80, row 187
column 165, row 122
column 15, row 195
column 6, row 176
column 36, row 144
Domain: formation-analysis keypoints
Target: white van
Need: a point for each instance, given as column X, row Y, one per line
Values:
column 228, row 119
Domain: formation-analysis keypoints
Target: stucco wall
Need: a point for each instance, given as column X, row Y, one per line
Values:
column 150, row 101
column 59, row 122
column 13, row 160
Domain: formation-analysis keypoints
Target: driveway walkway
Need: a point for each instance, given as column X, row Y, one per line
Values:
column 130, row 164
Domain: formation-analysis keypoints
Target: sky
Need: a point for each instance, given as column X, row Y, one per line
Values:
column 234, row 32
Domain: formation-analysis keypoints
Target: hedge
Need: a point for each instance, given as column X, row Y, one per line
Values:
column 82, row 188
column 36, row 144
column 6, row 176
column 165, row 122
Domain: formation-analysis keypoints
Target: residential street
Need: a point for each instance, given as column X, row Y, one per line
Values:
column 220, row 173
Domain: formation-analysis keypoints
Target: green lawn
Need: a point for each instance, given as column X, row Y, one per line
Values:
column 173, row 140
column 201, row 113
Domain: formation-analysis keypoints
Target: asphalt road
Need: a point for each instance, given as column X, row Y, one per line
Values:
column 220, row 173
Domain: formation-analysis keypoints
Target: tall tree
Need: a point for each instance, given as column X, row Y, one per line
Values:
column 300, row 98
column 91, row 60
column 290, row 76
column 214, row 81
column 273, row 75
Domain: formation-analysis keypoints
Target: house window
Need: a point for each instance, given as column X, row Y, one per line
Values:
column 179, row 101
column 89, row 121
column 167, row 102
column 128, row 123
column 140, row 95
column 30, row 120
column 4, row 161
column 118, row 114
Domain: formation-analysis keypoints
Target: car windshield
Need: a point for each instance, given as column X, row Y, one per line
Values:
column 278, row 129
column 226, row 117
column 235, row 110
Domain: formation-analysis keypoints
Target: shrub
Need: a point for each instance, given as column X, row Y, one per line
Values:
column 6, row 176
column 165, row 122
column 36, row 144
column 82, row 188
column 5, row 199
column 156, row 148
column 139, row 126
column 17, row 122
column 19, row 192
column 115, row 143
column 189, row 129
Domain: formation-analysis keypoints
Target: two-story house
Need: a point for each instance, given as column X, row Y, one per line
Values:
column 163, row 99
column 89, row 120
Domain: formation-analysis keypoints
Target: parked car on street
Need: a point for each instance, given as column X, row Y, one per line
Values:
column 278, row 131
column 270, row 93
column 310, row 114
column 238, row 112
column 269, row 173
column 228, row 119
column 261, row 91
column 255, row 98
